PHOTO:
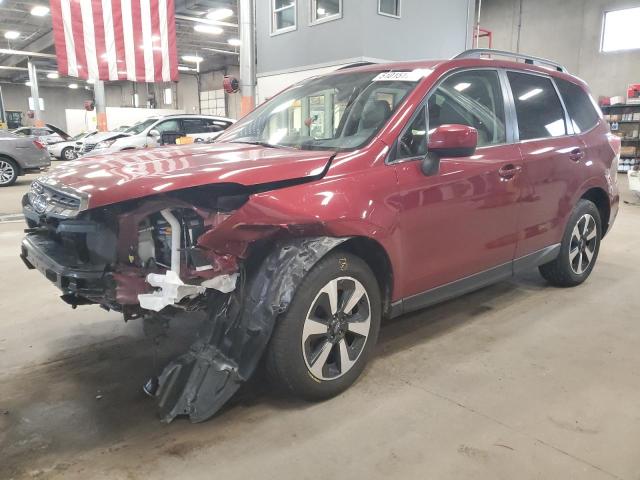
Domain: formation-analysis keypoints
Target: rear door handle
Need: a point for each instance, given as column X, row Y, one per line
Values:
column 509, row 171
column 576, row 155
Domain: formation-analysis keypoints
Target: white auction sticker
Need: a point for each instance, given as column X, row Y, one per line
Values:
column 412, row 76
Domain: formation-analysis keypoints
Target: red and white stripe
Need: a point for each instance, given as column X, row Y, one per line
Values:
column 116, row 39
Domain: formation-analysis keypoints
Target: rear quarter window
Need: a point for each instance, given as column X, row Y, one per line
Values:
column 581, row 108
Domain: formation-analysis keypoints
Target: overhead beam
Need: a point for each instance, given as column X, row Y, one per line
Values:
column 10, row 51
column 39, row 44
column 217, row 23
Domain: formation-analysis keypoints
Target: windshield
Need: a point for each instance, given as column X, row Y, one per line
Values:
column 79, row 136
column 141, row 126
column 336, row 112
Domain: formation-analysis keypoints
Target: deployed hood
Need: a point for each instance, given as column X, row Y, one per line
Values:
column 121, row 176
column 62, row 134
column 100, row 136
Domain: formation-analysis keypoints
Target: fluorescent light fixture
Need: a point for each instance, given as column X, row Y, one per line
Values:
column 39, row 11
column 27, row 83
column 11, row 35
column 462, row 86
column 530, row 94
column 53, row 75
column 184, row 68
column 192, row 58
column 234, row 42
column 91, row 81
column 73, row 86
column 219, row 14
column 210, row 29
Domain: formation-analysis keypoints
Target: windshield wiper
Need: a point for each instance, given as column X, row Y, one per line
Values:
column 257, row 142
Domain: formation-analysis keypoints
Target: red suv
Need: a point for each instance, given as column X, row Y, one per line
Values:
column 346, row 199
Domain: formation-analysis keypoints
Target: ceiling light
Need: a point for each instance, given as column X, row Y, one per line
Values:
column 39, row 11
column 234, row 41
column 28, row 84
column 462, row 86
column 11, row 35
column 73, row 86
column 321, row 11
column 211, row 29
column 219, row 14
column 91, row 81
column 530, row 94
column 53, row 75
column 183, row 68
column 192, row 58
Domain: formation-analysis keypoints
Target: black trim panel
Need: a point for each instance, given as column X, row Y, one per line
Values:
column 474, row 282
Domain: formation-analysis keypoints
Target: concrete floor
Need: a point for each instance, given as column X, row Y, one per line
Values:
column 519, row 380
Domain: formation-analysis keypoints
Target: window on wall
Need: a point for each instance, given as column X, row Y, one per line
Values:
column 212, row 102
column 325, row 10
column 283, row 16
column 389, row 7
column 620, row 30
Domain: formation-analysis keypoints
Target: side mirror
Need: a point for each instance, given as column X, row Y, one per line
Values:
column 449, row 141
column 154, row 133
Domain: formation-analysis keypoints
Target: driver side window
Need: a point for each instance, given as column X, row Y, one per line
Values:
column 472, row 98
column 413, row 142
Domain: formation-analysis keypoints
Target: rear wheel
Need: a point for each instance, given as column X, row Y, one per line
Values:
column 579, row 249
column 322, row 344
column 8, row 172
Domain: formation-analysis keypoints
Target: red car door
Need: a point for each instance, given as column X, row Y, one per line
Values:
column 551, row 161
column 463, row 220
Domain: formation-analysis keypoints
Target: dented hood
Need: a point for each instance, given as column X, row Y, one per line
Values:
column 113, row 178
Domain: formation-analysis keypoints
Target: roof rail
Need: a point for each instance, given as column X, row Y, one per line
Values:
column 481, row 52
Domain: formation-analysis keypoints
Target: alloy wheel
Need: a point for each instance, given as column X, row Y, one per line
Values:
column 584, row 240
column 336, row 328
column 69, row 154
column 7, row 172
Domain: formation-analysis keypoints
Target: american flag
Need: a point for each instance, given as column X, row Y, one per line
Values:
column 116, row 39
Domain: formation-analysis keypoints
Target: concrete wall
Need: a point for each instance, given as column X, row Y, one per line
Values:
column 56, row 101
column 213, row 81
column 426, row 29
column 567, row 31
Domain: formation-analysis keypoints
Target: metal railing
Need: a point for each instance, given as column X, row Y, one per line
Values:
column 529, row 59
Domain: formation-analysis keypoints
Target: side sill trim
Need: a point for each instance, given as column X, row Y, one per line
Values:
column 474, row 282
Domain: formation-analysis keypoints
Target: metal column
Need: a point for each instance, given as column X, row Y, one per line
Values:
column 247, row 56
column 33, row 79
column 101, row 107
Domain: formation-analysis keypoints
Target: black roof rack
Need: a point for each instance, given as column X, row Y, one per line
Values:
column 531, row 60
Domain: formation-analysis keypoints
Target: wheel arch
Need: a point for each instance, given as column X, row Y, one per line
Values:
column 377, row 258
column 600, row 198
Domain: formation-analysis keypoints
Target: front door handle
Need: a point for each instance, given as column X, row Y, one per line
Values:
column 509, row 171
column 576, row 155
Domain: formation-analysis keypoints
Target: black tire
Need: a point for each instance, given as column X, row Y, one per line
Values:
column 287, row 358
column 568, row 270
column 67, row 154
column 9, row 172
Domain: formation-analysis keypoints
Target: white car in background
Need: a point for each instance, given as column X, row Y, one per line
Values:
column 66, row 150
column 46, row 135
column 155, row 131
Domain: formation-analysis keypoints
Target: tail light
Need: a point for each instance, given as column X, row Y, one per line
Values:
column 39, row 145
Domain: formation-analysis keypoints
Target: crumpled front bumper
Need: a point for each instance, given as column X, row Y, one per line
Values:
column 62, row 267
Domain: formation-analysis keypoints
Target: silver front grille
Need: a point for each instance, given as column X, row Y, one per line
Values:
column 87, row 147
column 58, row 201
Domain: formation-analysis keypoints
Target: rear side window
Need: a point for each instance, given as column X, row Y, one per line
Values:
column 581, row 110
column 538, row 108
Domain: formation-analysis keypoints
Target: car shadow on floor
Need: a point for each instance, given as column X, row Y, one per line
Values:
column 90, row 397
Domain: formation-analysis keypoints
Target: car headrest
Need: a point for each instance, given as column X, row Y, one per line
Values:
column 374, row 114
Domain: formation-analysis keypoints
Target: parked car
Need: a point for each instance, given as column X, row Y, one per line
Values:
column 153, row 131
column 20, row 155
column 47, row 134
column 348, row 198
column 66, row 150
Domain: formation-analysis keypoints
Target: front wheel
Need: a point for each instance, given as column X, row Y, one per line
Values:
column 68, row 153
column 579, row 248
column 322, row 344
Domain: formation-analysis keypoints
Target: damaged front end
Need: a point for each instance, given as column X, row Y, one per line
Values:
column 175, row 252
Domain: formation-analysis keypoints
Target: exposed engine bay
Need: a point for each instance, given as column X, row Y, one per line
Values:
column 182, row 251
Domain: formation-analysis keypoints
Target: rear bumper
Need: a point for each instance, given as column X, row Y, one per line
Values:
column 61, row 267
column 34, row 159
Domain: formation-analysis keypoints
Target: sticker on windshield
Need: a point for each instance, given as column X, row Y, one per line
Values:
column 413, row 76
